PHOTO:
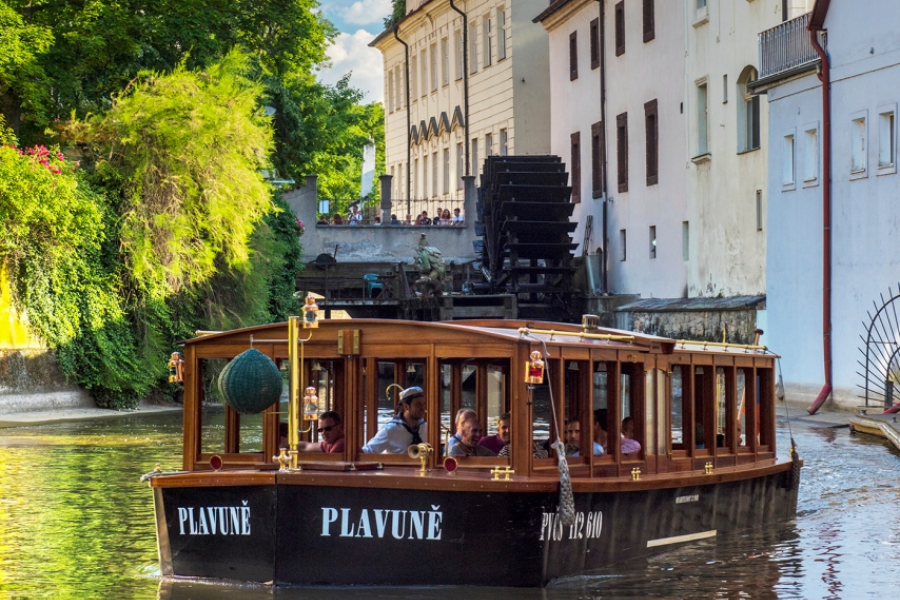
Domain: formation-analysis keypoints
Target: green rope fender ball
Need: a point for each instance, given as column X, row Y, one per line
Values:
column 250, row 383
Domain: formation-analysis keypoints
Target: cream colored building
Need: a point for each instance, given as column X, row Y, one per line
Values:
column 727, row 144
column 435, row 55
column 638, row 135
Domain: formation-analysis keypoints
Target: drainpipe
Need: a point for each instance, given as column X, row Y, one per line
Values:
column 465, row 78
column 603, row 169
column 408, row 109
column 825, row 78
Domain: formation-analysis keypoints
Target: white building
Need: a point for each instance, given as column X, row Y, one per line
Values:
column 638, row 134
column 864, row 72
column 455, row 72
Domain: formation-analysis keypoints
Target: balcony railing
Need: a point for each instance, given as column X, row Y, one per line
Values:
column 787, row 47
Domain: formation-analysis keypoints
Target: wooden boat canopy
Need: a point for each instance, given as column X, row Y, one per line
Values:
column 698, row 408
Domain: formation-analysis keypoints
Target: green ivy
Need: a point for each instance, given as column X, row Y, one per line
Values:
column 169, row 229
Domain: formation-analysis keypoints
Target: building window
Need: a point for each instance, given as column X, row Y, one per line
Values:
column 858, row 144
column 575, row 148
column 504, row 143
column 622, row 151
column 424, row 79
column 573, row 56
column 702, row 120
column 759, row 211
column 725, row 89
column 434, row 68
column 413, row 82
column 685, row 238
column 476, row 166
column 748, row 113
column 473, row 47
column 460, row 50
column 446, row 170
column 622, row 245
column 398, row 78
column 487, row 40
column 501, row 34
column 595, row 44
column 787, row 161
column 425, row 175
column 811, row 155
column 649, row 20
column 414, row 178
column 887, row 139
column 620, row 28
column 598, row 149
column 390, row 91
column 460, row 165
column 434, row 174
column 651, row 129
column 488, row 145
column 445, row 61
column 653, row 241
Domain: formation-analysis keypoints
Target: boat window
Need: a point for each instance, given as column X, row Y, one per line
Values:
column 743, row 433
column 765, row 386
column 677, row 411
column 722, row 409
column 602, row 389
column 544, row 422
column 481, row 386
column 631, row 430
column 704, row 409
column 212, row 419
column 577, row 407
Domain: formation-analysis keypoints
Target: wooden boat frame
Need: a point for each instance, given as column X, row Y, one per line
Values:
column 730, row 481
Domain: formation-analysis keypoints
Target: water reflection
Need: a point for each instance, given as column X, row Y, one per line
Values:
column 76, row 523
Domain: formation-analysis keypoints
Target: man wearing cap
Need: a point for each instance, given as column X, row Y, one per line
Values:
column 471, row 433
column 462, row 415
column 408, row 427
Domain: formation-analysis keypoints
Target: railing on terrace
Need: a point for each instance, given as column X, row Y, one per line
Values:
column 398, row 208
column 787, row 46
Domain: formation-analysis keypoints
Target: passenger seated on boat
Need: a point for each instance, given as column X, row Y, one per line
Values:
column 462, row 415
column 405, row 429
column 573, row 440
column 331, row 432
column 630, row 446
column 495, row 443
column 600, row 436
column 468, row 446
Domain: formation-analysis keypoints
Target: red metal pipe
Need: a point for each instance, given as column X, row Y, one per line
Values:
column 825, row 78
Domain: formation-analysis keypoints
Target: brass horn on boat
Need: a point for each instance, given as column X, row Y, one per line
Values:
column 421, row 452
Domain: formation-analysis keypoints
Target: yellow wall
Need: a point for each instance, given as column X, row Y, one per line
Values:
column 14, row 331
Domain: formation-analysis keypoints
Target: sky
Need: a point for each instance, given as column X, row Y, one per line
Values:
column 358, row 21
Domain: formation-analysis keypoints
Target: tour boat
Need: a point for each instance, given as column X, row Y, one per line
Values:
column 242, row 508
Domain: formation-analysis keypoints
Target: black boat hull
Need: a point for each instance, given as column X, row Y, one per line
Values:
column 304, row 534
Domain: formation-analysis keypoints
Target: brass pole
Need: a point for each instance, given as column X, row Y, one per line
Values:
column 293, row 388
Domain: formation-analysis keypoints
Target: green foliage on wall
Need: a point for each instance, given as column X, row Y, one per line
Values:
column 171, row 229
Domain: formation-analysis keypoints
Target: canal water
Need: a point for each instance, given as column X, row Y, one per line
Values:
column 75, row 522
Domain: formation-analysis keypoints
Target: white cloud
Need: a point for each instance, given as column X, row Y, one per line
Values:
column 366, row 12
column 351, row 52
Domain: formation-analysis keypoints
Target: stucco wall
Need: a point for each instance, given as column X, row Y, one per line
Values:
column 727, row 249
column 864, row 47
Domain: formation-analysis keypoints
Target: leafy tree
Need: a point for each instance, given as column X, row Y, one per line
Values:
column 23, row 83
column 398, row 11
column 186, row 153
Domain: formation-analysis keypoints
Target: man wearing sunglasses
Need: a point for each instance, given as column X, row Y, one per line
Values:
column 331, row 432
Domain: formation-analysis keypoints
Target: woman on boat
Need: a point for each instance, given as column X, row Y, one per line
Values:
column 405, row 429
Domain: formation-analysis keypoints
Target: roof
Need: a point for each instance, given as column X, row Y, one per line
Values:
column 396, row 25
column 555, row 5
column 693, row 304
